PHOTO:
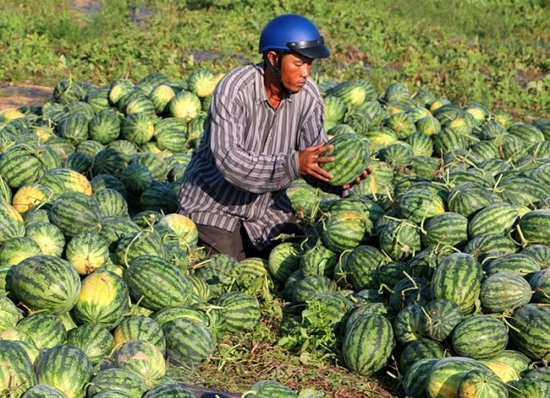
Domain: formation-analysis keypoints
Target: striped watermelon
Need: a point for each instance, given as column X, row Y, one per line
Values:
column 86, row 252
column 69, row 179
column 530, row 331
column 480, row 337
column 307, row 287
column 49, row 237
column 44, row 391
column 458, row 278
column 220, row 271
column 46, row 283
column 103, row 299
column 414, row 379
column 11, row 222
column 478, row 383
column 75, row 212
column 188, row 342
column 496, row 218
column 136, row 244
column 504, row 291
column 17, row 374
column 169, row 390
column 419, row 350
column 533, row 227
column 156, row 283
column 45, row 330
column 144, row 358
column 418, row 205
column 95, row 340
column 139, row 327
column 270, row 388
column 15, row 250
column 442, row 315
column 121, row 380
column 410, row 324
column 240, row 310
column 399, row 238
column 527, row 388
column 446, row 229
column 445, row 375
column 352, row 158
column 65, row 367
column 111, row 202
column 540, row 284
column 21, row 164
column 367, row 344
column 516, row 263
column 359, row 267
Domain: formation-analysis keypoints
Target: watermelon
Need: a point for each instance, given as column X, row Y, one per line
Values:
column 201, row 82
column 367, row 344
column 111, row 202
column 352, row 158
column 17, row 249
column 74, row 127
column 49, row 238
column 75, row 212
column 188, row 341
column 95, row 340
column 134, row 244
column 458, row 278
column 410, row 324
column 416, row 375
column 45, row 330
column 169, row 390
column 65, row 367
column 110, row 160
column 22, row 164
column 529, row 331
column 46, row 283
column 442, row 315
column 86, row 252
column 240, row 310
column 419, row 350
column 11, row 222
column 480, row 337
column 117, row 379
column 445, row 229
column 103, row 299
column 504, row 291
column 186, row 105
column 478, row 383
column 17, row 375
column 533, row 227
column 445, row 375
column 268, row 389
column 44, row 391
column 156, row 283
column 144, row 358
column 139, row 327
column 345, row 230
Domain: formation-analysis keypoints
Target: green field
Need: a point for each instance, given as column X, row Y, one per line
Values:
column 489, row 51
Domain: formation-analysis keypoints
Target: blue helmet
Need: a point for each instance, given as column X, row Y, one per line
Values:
column 296, row 33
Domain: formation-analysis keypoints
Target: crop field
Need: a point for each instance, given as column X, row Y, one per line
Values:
column 429, row 279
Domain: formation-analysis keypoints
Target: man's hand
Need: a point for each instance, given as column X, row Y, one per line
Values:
column 311, row 160
column 358, row 180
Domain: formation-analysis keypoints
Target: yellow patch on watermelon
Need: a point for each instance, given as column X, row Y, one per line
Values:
column 504, row 371
column 10, row 114
column 29, row 196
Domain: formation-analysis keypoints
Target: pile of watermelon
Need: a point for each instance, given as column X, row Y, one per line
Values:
column 436, row 264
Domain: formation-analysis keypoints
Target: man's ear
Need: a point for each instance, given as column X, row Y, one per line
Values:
column 273, row 57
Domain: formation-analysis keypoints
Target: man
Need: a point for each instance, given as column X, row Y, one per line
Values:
column 264, row 129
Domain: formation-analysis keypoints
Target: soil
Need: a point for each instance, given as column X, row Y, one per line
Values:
column 22, row 94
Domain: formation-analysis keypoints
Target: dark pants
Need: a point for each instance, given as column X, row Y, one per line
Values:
column 237, row 243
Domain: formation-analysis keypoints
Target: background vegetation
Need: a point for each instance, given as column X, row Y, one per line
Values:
column 491, row 51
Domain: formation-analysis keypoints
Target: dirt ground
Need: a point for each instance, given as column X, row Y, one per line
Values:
column 15, row 96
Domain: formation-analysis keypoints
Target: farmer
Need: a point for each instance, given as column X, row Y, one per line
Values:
column 264, row 129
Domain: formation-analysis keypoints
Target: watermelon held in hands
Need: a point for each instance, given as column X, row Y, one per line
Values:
column 352, row 158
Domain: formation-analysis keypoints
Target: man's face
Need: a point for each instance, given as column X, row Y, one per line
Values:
column 295, row 70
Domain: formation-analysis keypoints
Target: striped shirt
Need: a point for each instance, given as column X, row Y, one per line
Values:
column 248, row 155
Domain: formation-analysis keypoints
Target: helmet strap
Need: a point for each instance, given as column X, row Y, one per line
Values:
column 276, row 70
